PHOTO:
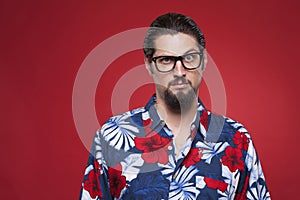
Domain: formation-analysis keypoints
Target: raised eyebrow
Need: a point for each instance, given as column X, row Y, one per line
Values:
column 191, row 51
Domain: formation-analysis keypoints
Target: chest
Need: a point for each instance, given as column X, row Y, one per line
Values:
column 195, row 172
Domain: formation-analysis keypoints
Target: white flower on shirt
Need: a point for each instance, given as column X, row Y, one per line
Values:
column 211, row 149
column 182, row 187
column 119, row 132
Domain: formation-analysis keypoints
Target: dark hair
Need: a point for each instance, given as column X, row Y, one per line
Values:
column 171, row 23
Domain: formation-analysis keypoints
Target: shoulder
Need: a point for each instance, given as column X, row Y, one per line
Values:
column 228, row 127
column 122, row 120
column 237, row 136
column 236, row 125
column 120, row 130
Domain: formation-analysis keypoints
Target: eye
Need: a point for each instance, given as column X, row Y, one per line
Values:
column 189, row 58
column 165, row 60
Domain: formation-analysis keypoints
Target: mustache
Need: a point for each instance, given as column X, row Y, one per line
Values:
column 179, row 80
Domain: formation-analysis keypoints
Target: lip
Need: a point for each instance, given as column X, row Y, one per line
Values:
column 179, row 85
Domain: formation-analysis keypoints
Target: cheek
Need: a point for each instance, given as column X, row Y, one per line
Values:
column 160, row 89
column 161, row 80
column 196, row 77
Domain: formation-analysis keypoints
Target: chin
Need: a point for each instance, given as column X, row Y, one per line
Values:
column 179, row 100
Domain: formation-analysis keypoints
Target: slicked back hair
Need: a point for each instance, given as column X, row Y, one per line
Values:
column 171, row 23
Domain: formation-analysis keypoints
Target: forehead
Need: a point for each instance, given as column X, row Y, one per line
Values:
column 176, row 44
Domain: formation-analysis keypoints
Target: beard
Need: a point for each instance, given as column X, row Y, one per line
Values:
column 181, row 101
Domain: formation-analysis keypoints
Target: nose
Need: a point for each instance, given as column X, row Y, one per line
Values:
column 179, row 70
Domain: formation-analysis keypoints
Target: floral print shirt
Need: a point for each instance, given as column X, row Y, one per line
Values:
column 133, row 158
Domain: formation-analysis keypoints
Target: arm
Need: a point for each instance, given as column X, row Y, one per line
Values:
column 95, row 183
column 257, row 188
column 252, row 184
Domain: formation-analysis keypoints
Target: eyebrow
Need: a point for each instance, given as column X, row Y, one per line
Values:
column 190, row 51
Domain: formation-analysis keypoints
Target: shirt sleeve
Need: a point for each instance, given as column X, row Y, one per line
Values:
column 95, row 183
column 252, row 184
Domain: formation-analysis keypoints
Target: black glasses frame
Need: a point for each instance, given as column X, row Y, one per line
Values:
column 180, row 58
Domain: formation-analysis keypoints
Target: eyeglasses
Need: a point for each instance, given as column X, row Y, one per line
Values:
column 189, row 61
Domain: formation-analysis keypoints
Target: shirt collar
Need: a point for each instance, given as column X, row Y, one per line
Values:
column 158, row 123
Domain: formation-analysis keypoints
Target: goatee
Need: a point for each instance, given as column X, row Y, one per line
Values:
column 181, row 101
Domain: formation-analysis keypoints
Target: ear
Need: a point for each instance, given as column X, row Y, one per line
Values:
column 148, row 66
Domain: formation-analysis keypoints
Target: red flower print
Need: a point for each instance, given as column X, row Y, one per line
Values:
column 204, row 119
column 193, row 157
column 242, row 195
column 97, row 167
column 160, row 156
column 116, row 181
column 241, row 140
column 92, row 185
column 147, row 126
column 154, row 148
column 147, row 122
column 215, row 184
column 232, row 159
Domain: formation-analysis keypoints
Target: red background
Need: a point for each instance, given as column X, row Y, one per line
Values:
column 43, row 43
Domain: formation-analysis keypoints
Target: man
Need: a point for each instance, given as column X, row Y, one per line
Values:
column 173, row 148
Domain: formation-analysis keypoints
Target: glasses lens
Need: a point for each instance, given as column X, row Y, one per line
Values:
column 165, row 63
column 192, row 60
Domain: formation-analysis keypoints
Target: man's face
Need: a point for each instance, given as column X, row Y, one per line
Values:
column 179, row 87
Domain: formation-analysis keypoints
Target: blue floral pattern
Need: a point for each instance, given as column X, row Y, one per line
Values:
column 136, row 151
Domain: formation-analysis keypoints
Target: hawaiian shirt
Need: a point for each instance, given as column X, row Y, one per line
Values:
column 133, row 158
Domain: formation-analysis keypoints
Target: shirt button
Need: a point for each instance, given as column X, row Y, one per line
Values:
column 170, row 148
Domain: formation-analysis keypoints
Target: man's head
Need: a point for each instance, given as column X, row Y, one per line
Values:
column 175, row 57
column 171, row 23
